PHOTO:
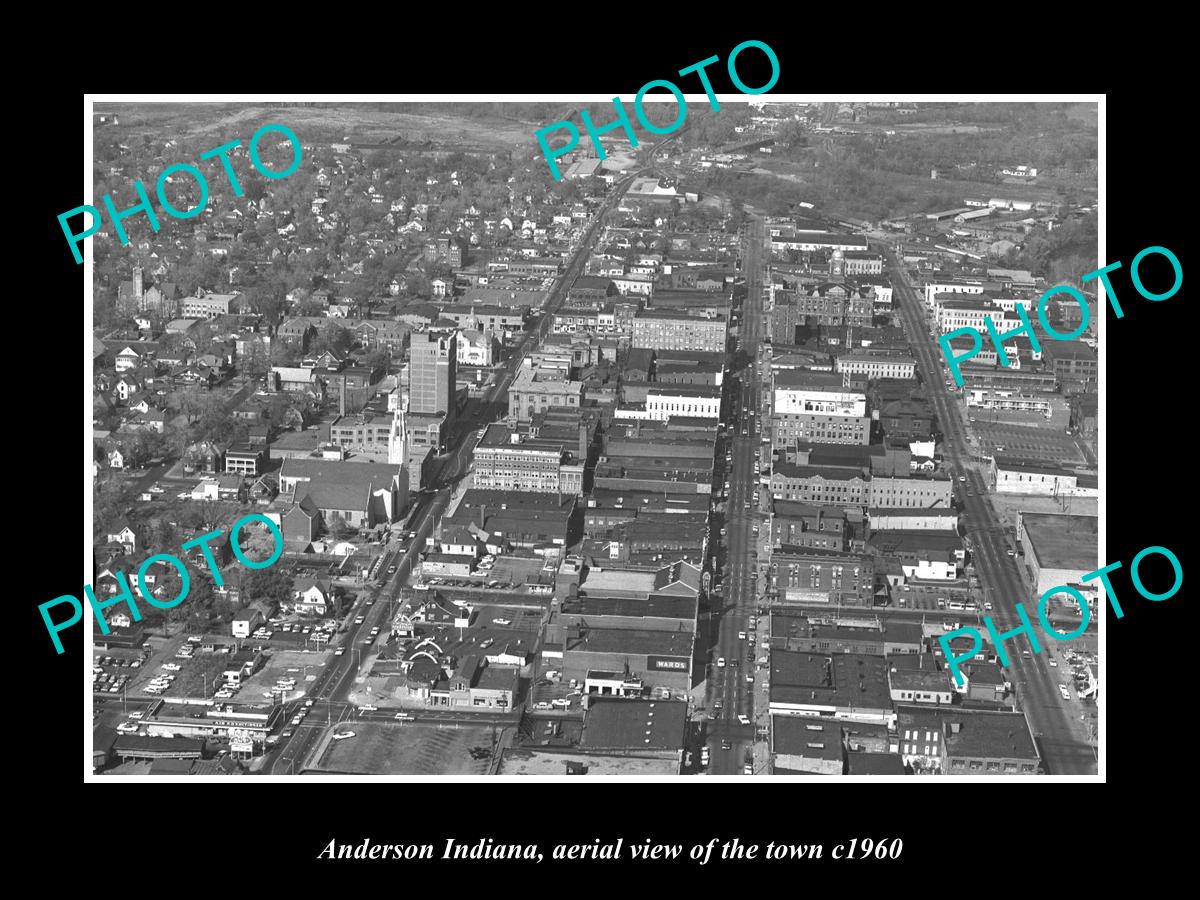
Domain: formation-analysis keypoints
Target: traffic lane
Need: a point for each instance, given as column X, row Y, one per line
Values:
column 1032, row 690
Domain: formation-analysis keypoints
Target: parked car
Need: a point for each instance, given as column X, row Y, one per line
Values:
column 342, row 735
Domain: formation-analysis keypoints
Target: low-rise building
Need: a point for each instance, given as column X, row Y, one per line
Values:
column 838, row 686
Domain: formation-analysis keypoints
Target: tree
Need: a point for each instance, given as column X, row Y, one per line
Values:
column 273, row 584
column 337, row 527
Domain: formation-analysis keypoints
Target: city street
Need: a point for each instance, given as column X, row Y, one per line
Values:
column 335, row 681
column 1059, row 731
column 741, row 584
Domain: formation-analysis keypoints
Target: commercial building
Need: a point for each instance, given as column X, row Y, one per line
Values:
column 802, row 525
column 913, row 519
column 363, row 430
column 805, row 745
column 815, row 406
column 506, row 459
column 1059, row 549
column 433, row 358
column 910, row 493
column 820, row 485
column 670, row 330
column 916, row 678
column 848, row 686
column 877, row 365
column 941, row 741
column 498, row 319
column 1072, row 362
column 640, row 659
column 698, row 401
column 800, row 575
column 1010, row 475
column 926, row 555
column 537, row 389
column 794, row 631
column 1043, row 405
column 641, row 728
column 789, row 238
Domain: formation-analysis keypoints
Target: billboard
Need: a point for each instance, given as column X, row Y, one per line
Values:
column 668, row 663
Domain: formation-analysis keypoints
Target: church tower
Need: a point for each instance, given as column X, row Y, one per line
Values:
column 397, row 439
column 837, row 265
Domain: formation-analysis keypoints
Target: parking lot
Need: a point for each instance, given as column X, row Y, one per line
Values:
column 1035, row 444
column 410, row 749
column 290, row 665
column 116, row 671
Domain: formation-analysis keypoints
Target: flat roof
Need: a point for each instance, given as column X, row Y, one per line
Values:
column 539, row 763
column 600, row 581
column 1061, row 541
column 839, row 680
column 806, row 736
column 633, row 641
column 632, row 725
column 658, row 606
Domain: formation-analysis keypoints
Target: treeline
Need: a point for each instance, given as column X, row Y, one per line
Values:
column 1060, row 255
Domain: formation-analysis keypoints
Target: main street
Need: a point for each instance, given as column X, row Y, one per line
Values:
column 337, row 678
column 728, row 683
column 1063, row 750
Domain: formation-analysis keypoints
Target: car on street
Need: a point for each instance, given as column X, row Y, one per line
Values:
column 339, row 651
column 358, row 620
column 987, row 605
column 1025, row 653
column 741, row 635
column 501, row 621
column 1063, row 692
column 391, row 570
column 1054, row 664
column 1011, row 552
column 127, row 728
column 404, row 717
column 720, row 662
column 962, row 477
column 726, row 745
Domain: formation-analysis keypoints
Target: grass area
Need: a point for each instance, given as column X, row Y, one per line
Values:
column 360, row 122
column 190, row 681
column 410, row 749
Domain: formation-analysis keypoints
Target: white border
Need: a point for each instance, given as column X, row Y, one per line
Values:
column 88, row 106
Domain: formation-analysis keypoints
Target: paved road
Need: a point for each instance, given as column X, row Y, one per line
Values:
column 336, row 680
column 728, row 683
column 1054, row 721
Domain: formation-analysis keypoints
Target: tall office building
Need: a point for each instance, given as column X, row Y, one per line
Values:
column 432, row 372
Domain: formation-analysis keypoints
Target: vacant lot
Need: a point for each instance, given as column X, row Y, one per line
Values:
column 358, row 122
column 411, row 749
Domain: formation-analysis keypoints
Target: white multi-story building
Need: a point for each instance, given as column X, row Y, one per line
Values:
column 683, row 400
column 877, row 365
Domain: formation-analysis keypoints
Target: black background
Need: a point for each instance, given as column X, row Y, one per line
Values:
column 1147, row 419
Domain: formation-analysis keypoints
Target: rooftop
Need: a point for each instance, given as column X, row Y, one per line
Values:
column 1062, row 541
column 634, row 724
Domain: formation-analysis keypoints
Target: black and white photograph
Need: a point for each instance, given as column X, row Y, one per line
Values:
column 741, row 436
